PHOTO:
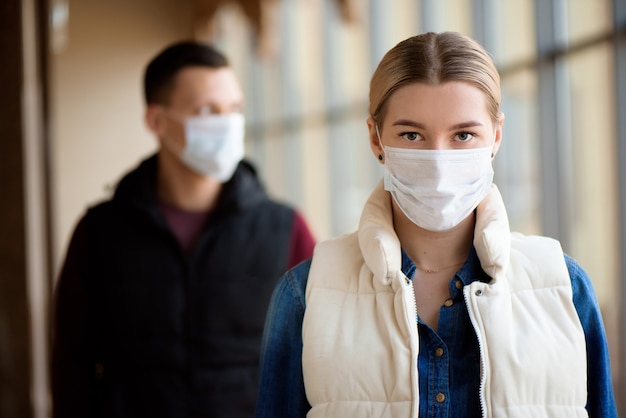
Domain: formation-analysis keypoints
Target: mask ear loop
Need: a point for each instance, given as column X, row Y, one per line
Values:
column 493, row 154
column 380, row 156
column 493, row 143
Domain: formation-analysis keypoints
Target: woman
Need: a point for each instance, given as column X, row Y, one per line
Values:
column 433, row 308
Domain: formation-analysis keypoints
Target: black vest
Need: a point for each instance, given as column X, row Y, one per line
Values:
column 174, row 334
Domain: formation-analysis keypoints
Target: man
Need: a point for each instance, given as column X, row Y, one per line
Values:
column 162, row 298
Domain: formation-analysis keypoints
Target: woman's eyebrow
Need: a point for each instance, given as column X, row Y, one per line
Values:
column 468, row 124
column 406, row 122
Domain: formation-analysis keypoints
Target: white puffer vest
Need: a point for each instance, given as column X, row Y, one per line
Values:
column 360, row 335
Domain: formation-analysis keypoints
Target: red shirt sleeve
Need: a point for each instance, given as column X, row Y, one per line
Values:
column 301, row 243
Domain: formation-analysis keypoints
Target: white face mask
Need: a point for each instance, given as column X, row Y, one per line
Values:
column 214, row 144
column 437, row 189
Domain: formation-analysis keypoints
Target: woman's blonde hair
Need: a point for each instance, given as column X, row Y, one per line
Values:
column 434, row 58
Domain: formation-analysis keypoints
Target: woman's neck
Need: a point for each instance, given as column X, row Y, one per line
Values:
column 433, row 251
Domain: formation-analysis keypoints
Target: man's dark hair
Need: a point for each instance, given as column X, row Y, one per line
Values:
column 162, row 70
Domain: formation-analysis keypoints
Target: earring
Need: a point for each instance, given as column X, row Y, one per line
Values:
column 380, row 157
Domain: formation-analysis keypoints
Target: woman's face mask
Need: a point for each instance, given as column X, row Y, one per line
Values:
column 438, row 151
column 437, row 189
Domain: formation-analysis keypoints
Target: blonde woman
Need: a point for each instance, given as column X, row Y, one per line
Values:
column 433, row 308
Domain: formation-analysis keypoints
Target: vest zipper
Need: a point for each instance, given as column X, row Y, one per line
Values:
column 483, row 375
column 411, row 303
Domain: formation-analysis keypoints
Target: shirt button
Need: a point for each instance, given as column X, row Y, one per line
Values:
column 448, row 303
column 458, row 284
column 439, row 352
column 440, row 397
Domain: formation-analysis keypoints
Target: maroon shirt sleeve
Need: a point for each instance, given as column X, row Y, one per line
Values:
column 301, row 243
column 70, row 306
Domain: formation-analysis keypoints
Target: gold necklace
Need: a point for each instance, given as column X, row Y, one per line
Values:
column 437, row 270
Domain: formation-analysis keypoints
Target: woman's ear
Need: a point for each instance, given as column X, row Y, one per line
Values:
column 375, row 142
column 498, row 138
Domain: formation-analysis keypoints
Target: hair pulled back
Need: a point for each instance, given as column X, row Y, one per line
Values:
column 434, row 58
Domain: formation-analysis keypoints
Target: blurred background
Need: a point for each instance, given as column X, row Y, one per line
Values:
column 71, row 119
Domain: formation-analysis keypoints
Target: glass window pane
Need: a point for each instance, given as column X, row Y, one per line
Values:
column 517, row 165
column 514, row 38
column 594, row 236
column 588, row 18
column 447, row 15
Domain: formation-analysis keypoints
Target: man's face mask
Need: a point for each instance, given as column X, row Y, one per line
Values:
column 214, row 144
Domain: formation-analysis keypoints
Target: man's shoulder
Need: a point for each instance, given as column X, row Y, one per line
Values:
column 252, row 196
column 133, row 185
column 104, row 207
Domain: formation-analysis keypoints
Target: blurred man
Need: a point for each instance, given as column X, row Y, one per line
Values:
column 162, row 297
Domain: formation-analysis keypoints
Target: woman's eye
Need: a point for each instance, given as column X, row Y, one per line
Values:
column 410, row 136
column 464, row 136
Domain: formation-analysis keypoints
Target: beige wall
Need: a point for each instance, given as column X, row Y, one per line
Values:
column 96, row 99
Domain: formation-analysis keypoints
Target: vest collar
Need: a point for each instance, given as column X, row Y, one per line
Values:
column 492, row 235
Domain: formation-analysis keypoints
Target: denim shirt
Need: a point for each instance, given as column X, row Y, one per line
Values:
column 448, row 361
